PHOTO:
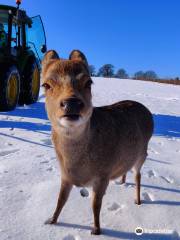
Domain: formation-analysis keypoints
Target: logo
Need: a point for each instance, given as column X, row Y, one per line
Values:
column 139, row 231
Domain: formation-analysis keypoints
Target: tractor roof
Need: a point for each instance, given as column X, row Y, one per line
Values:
column 6, row 7
column 22, row 17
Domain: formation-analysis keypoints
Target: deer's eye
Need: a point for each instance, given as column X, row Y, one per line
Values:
column 88, row 84
column 46, row 86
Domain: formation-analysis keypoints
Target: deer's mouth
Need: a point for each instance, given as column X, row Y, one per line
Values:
column 71, row 117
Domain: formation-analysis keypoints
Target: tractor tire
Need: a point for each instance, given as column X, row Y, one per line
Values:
column 30, row 84
column 9, row 87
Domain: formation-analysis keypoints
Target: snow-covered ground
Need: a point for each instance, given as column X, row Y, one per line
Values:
column 30, row 177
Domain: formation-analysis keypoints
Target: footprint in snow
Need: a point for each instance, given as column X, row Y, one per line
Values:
column 47, row 141
column 7, row 152
column 115, row 207
column 71, row 237
column 44, row 162
column 153, row 151
column 39, row 156
column 151, row 173
column 50, row 169
column 147, row 196
column 150, row 150
column 84, row 192
column 8, row 144
column 167, row 179
column 161, row 143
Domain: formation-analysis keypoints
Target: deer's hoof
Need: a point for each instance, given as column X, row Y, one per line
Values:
column 51, row 221
column 96, row 231
column 137, row 202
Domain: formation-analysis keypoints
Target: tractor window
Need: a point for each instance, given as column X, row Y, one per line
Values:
column 3, row 34
column 6, row 27
column 35, row 36
column 3, row 27
column 14, row 36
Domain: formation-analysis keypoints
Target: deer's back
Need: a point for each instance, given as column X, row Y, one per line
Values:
column 124, row 117
column 121, row 133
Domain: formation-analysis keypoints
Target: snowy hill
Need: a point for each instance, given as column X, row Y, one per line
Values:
column 29, row 174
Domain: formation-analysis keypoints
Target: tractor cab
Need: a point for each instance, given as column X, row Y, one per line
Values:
column 22, row 46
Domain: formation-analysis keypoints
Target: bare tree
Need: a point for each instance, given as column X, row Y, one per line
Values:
column 139, row 75
column 150, row 75
column 121, row 73
column 106, row 70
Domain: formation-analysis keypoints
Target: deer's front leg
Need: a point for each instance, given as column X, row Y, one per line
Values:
column 99, row 189
column 63, row 196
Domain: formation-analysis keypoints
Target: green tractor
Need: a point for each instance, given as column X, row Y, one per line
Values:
column 22, row 45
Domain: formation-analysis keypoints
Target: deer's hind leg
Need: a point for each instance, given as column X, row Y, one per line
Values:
column 136, row 170
column 123, row 179
column 138, row 188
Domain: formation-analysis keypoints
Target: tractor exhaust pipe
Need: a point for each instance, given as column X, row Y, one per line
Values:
column 18, row 2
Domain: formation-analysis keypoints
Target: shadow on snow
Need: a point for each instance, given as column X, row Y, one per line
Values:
column 121, row 235
column 36, row 110
column 166, row 125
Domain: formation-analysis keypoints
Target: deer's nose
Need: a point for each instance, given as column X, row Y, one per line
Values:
column 72, row 105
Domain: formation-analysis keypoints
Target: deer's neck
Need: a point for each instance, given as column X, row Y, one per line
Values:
column 72, row 144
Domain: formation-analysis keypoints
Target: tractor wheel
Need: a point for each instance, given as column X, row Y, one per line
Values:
column 9, row 87
column 30, row 84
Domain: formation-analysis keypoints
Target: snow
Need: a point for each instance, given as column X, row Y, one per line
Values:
column 30, row 176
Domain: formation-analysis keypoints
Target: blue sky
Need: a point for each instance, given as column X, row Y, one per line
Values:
column 131, row 34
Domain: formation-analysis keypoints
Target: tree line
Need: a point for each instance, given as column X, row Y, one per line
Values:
column 107, row 70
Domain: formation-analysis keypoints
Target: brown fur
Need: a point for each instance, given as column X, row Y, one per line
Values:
column 106, row 144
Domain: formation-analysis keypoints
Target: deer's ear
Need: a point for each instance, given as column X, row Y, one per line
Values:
column 78, row 55
column 49, row 56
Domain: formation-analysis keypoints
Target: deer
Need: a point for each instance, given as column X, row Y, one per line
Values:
column 94, row 145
